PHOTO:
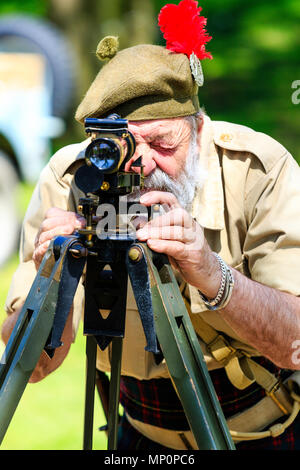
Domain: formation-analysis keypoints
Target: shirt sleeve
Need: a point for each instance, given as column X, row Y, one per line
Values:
column 272, row 243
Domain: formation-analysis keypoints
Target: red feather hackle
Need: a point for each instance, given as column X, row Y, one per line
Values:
column 184, row 29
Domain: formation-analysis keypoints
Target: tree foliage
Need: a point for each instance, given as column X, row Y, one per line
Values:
column 33, row 7
column 256, row 60
column 255, row 51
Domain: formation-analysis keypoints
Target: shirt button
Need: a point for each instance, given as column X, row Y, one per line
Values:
column 226, row 137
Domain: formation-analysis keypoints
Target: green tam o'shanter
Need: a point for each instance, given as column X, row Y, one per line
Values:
column 147, row 81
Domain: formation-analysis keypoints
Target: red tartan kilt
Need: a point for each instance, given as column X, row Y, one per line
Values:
column 156, row 402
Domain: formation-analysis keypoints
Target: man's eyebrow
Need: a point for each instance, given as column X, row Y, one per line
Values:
column 160, row 135
column 156, row 133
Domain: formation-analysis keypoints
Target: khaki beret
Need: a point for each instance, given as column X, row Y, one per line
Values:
column 140, row 83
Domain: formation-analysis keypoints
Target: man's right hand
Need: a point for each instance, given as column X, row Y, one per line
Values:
column 56, row 222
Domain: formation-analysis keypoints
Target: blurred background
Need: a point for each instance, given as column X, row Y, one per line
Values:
column 47, row 62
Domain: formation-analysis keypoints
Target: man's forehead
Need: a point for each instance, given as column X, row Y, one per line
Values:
column 157, row 127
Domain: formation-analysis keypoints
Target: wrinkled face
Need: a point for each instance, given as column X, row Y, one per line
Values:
column 163, row 144
column 170, row 152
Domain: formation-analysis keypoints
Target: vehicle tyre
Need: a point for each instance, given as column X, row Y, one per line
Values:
column 10, row 223
column 46, row 39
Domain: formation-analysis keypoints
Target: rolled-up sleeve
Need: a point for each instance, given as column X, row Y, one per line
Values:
column 49, row 192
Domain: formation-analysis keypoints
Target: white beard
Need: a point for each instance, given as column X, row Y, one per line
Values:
column 183, row 187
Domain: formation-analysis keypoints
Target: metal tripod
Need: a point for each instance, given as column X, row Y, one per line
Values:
column 167, row 326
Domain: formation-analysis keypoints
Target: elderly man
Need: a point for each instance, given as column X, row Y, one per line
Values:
column 233, row 198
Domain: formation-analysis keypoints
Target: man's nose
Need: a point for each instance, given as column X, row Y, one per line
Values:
column 148, row 162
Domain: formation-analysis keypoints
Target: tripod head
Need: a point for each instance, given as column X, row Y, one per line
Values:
column 103, row 178
column 112, row 145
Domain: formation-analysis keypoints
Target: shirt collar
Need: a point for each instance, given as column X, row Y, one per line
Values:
column 208, row 204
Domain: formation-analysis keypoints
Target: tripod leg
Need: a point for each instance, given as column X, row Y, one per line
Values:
column 184, row 357
column 114, row 392
column 32, row 330
column 105, row 294
column 91, row 354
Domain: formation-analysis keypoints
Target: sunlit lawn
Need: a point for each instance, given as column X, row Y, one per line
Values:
column 50, row 413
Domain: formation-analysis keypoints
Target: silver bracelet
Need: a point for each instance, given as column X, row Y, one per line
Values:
column 225, row 290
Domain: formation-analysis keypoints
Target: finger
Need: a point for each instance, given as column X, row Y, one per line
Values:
column 180, row 252
column 175, row 232
column 174, row 249
column 39, row 253
column 177, row 216
column 67, row 229
column 76, row 220
column 138, row 222
column 36, row 240
column 159, row 197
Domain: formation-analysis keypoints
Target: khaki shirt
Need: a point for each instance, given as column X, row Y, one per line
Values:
column 249, row 208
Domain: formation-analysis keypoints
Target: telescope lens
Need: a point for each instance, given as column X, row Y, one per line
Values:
column 104, row 154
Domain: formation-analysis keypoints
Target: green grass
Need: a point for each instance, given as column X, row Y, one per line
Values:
column 50, row 413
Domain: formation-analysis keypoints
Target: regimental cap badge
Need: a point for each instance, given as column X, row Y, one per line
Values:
column 184, row 31
column 196, row 69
